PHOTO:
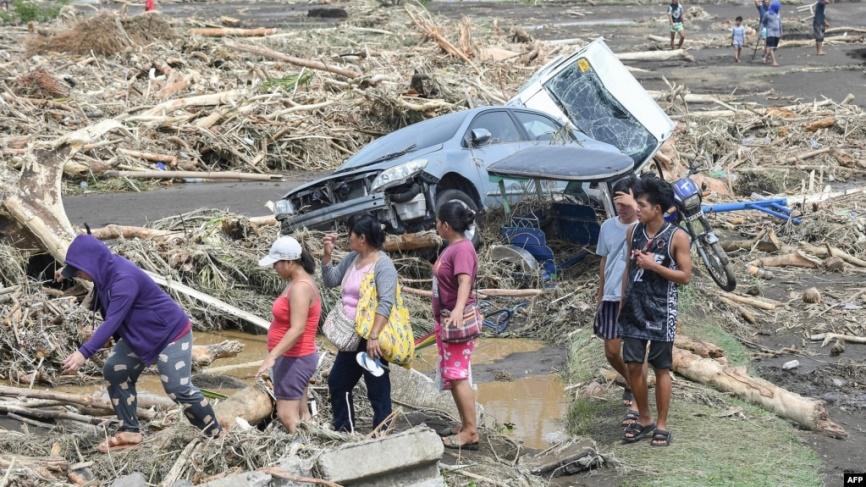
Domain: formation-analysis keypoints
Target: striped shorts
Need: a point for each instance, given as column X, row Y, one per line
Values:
column 606, row 322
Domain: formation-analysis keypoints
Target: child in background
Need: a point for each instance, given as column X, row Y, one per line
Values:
column 738, row 38
column 675, row 16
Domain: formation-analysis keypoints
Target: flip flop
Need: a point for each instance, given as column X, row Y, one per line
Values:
column 665, row 437
column 451, row 442
column 372, row 366
column 638, row 432
column 447, row 431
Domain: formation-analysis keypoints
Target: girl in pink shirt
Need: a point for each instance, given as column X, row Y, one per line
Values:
column 453, row 279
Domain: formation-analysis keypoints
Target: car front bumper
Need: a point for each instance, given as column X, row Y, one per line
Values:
column 325, row 217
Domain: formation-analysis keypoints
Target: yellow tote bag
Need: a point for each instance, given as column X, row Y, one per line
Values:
column 396, row 339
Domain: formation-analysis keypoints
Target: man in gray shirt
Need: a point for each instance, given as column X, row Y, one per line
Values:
column 612, row 249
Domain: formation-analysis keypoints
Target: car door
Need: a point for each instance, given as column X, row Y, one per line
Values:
column 506, row 139
column 594, row 91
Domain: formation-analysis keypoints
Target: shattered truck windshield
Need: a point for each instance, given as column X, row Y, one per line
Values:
column 596, row 113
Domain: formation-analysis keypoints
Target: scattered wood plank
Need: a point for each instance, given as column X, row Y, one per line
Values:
column 285, row 58
column 760, row 303
column 794, row 259
column 204, row 355
column 232, row 32
column 210, row 300
column 215, row 176
column 667, row 55
column 829, row 337
column 94, row 403
column 828, row 251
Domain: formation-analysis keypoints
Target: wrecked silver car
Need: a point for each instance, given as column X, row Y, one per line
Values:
column 588, row 100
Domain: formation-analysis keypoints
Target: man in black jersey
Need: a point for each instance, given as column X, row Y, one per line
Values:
column 660, row 262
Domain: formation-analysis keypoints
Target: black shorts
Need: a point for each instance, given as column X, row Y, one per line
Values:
column 772, row 42
column 606, row 323
column 661, row 354
column 818, row 31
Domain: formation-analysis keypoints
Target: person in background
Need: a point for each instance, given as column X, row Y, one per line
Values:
column 763, row 6
column 147, row 326
column 738, row 38
column 773, row 24
column 454, row 276
column 612, row 250
column 292, row 335
column 675, row 16
column 819, row 25
column 660, row 262
column 366, row 238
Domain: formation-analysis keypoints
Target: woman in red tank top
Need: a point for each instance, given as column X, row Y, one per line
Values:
column 292, row 357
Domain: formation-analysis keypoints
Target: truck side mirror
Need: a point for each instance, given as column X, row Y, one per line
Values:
column 481, row 137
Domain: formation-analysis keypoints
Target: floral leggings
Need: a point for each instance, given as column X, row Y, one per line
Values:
column 455, row 359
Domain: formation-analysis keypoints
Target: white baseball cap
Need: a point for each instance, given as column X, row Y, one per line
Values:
column 284, row 248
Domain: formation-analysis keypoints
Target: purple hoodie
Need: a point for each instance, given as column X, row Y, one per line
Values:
column 133, row 306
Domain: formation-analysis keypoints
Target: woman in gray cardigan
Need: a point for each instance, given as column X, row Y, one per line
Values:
column 365, row 240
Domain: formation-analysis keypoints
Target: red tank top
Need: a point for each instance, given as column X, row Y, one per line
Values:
column 280, row 324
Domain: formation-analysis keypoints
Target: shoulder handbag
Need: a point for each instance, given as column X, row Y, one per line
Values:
column 396, row 339
column 466, row 329
column 339, row 329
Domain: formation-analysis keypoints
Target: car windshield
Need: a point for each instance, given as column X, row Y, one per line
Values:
column 420, row 135
column 596, row 113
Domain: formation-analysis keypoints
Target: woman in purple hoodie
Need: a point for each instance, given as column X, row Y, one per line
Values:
column 147, row 327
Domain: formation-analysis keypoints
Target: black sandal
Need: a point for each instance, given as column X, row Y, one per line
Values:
column 663, row 437
column 630, row 418
column 638, row 432
column 627, row 395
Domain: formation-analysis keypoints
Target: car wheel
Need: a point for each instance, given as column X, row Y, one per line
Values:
column 448, row 195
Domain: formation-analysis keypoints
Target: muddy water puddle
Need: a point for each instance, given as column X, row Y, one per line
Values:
column 517, row 381
column 518, row 385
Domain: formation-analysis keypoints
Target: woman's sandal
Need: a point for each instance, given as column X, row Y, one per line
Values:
column 662, row 438
column 630, row 418
column 452, row 443
column 638, row 432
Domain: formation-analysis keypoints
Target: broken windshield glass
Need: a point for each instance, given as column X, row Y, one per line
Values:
column 596, row 113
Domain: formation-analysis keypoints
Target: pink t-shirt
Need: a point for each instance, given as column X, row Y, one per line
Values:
column 458, row 258
column 351, row 292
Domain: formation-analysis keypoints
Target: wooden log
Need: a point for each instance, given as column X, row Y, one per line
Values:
column 54, row 466
column 794, row 259
column 114, row 232
column 667, row 55
column 806, row 412
column 412, row 241
column 509, row 293
column 767, row 241
column 252, row 404
column 285, row 58
column 759, row 272
column 216, row 176
column 210, row 300
column 828, row 251
column 51, row 414
column 746, row 314
column 204, row 355
column 150, row 156
column 701, row 348
column 761, row 303
column 232, row 32
column 829, row 337
column 95, row 403
column 821, row 123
